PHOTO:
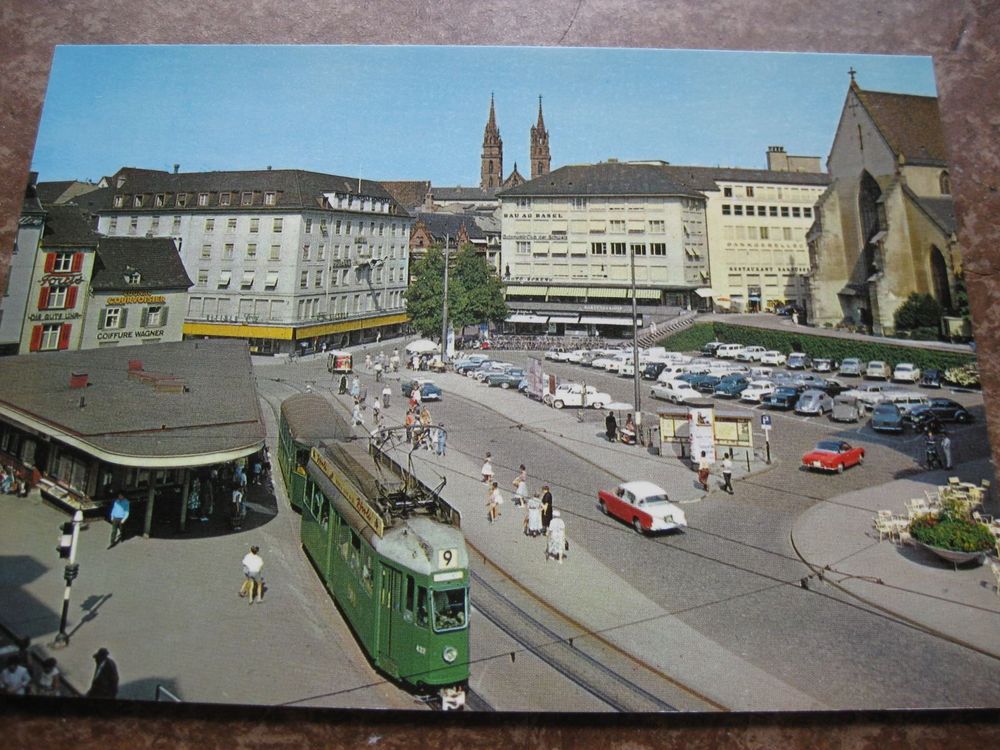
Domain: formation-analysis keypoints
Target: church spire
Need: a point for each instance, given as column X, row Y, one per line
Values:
column 491, row 168
column 541, row 159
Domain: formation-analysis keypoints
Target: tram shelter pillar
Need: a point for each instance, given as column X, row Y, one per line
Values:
column 185, row 492
column 148, row 524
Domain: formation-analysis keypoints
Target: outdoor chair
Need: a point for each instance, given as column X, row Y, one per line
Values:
column 954, row 481
column 883, row 525
column 996, row 575
column 903, row 535
column 982, row 517
column 932, row 498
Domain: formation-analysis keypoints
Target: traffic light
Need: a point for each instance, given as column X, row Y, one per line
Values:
column 71, row 572
column 65, row 540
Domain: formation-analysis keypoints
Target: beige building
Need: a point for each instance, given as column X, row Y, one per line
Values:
column 886, row 226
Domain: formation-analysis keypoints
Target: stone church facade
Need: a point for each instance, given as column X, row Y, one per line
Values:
column 885, row 227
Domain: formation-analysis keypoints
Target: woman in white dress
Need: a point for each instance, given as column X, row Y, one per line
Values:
column 557, row 538
column 533, row 523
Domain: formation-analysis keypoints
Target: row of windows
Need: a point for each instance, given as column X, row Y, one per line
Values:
column 152, row 316
column 308, row 308
column 182, row 200
column 340, row 227
column 763, row 233
column 795, row 212
column 635, row 248
column 611, row 202
column 338, row 277
column 769, row 192
column 309, row 252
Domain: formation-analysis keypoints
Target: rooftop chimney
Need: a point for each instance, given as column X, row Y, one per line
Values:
column 78, row 380
column 177, row 168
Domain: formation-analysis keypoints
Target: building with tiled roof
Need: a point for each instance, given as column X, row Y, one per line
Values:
column 285, row 258
column 886, row 226
column 412, row 195
column 700, row 236
column 14, row 300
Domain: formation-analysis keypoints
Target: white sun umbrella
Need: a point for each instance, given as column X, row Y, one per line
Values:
column 422, row 346
column 619, row 406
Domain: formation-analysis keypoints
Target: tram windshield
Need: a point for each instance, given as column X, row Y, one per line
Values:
column 450, row 609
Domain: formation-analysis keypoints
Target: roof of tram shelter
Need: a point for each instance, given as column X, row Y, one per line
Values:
column 214, row 417
column 651, row 178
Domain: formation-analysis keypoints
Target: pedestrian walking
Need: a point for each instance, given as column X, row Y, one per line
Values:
column 48, row 681
column 704, row 469
column 494, row 499
column 343, row 385
column 119, row 515
column 253, row 575
column 238, row 509
column 547, row 509
column 368, row 362
column 386, row 393
column 946, row 449
column 105, row 681
column 255, row 469
column 15, row 678
column 442, row 437
column 611, row 427
column 488, row 469
column 520, row 486
column 727, row 473
column 355, row 387
column 409, row 423
column 394, row 360
column 378, row 372
column 556, row 533
column 533, row 520
column 356, row 418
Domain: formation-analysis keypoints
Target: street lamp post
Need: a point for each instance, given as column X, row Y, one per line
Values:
column 635, row 349
column 444, row 304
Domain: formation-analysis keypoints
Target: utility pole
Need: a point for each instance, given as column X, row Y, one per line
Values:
column 635, row 352
column 444, row 304
column 67, row 549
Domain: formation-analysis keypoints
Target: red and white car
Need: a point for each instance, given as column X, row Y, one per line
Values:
column 833, row 455
column 642, row 504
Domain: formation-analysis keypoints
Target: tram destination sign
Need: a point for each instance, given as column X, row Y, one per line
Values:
column 373, row 519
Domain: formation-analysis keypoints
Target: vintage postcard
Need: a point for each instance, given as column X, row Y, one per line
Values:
column 495, row 379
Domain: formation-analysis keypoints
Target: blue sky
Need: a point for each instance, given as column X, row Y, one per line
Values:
column 419, row 112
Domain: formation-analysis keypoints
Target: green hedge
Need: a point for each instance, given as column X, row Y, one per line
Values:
column 815, row 346
column 952, row 533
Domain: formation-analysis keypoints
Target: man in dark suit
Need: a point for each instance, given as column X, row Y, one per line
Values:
column 105, row 682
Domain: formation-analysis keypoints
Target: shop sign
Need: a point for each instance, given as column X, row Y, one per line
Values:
column 54, row 317
column 137, row 299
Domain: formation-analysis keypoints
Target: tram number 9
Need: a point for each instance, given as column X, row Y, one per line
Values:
column 448, row 558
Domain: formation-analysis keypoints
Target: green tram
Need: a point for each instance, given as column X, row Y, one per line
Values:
column 391, row 555
column 305, row 420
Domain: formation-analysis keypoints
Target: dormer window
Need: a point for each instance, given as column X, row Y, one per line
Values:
column 225, row 198
column 119, row 201
column 137, row 201
column 182, row 200
column 269, row 199
column 133, row 278
column 159, row 199
column 246, row 199
column 202, row 199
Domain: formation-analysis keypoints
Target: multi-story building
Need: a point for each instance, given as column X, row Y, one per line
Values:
column 284, row 258
column 886, row 227
column 14, row 301
column 578, row 235
column 757, row 223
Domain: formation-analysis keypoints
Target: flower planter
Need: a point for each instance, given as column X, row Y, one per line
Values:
column 954, row 557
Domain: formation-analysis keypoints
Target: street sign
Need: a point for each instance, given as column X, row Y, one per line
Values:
column 765, row 421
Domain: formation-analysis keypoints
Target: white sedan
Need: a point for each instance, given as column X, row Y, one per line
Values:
column 678, row 391
column 571, row 394
column 906, row 371
column 750, row 353
column 644, row 505
column 773, row 357
column 757, row 390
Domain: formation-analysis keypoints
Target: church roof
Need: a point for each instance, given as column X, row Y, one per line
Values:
column 156, row 259
column 940, row 210
column 911, row 125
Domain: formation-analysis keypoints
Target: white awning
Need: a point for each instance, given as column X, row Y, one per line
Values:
column 563, row 318
column 272, row 280
column 597, row 321
column 526, row 318
column 225, row 278
column 248, row 277
column 703, row 291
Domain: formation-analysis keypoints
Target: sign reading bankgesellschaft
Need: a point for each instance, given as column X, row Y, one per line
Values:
column 373, row 519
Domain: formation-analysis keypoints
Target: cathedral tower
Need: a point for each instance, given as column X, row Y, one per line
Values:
column 491, row 172
column 541, row 160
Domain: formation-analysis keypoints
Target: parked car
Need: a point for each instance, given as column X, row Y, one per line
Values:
column 644, row 505
column 850, row 366
column 784, row 397
column 814, row 402
column 576, row 355
column 823, row 365
column 798, row 361
column 571, row 394
column 773, row 357
column 878, row 369
column 587, row 357
column 833, row 455
column 886, row 417
column 905, row 400
column 731, row 386
column 429, row 390
column 750, row 353
column 710, row 348
column 558, row 355
column 947, row 410
column 505, row 380
column 757, row 390
column 677, row 391
column 834, row 387
column 493, row 368
column 465, row 366
column 931, row 378
column 705, row 383
column 652, row 370
column 810, row 380
column 871, row 393
column 906, row 371
column 846, row 408
column 728, row 351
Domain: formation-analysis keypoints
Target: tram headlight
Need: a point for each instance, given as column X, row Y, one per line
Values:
column 449, row 654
